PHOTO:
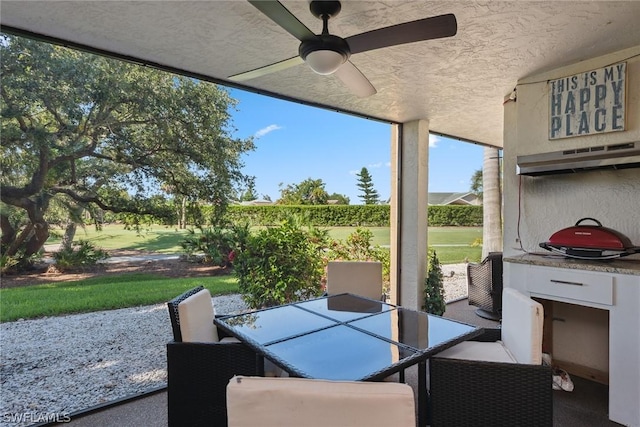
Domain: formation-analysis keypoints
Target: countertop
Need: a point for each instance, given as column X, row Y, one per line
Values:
column 628, row 265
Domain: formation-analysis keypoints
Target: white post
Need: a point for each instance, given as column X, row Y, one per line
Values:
column 409, row 172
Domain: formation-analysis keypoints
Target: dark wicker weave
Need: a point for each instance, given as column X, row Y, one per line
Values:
column 485, row 286
column 475, row 393
column 197, row 378
column 198, row 374
column 173, row 311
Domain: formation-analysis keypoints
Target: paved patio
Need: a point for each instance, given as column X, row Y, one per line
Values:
column 585, row 406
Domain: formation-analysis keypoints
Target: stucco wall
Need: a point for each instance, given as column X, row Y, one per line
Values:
column 536, row 207
column 547, row 204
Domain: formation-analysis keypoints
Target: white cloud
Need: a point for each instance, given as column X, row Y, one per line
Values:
column 433, row 140
column 375, row 165
column 388, row 164
column 262, row 132
column 354, row 172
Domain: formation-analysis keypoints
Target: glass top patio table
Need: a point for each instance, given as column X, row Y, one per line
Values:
column 345, row 337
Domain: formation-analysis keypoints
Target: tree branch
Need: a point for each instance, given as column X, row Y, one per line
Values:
column 98, row 202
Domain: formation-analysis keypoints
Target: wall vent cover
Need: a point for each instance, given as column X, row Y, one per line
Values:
column 618, row 156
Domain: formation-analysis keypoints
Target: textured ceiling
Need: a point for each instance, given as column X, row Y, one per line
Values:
column 458, row 83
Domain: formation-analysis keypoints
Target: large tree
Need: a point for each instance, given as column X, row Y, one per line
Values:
column 108, row 134
column 339, row 199
column 365, row 183
column 308, row 192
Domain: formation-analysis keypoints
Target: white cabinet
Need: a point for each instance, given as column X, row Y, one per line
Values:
column 580, row 286
column 600, row 286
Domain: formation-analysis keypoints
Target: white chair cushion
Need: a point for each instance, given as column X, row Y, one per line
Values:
column 281, row 402
column 522, row 323
column 362, row 278
column 196, row 318
column 482, row 351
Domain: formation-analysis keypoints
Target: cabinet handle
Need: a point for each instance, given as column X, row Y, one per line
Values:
column 563, row 282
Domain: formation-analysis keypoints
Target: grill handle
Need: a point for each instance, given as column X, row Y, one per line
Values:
column 589, row 219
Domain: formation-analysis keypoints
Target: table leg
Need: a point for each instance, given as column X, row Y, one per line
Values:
column 422, row 394
column 260, row 365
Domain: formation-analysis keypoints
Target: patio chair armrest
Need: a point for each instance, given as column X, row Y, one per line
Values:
column 467, row 392
column 197, row 378
column 489, row 335
column 221, row 332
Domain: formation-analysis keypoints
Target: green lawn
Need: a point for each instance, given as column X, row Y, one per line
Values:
column 102, row 293
column 155, row 238
column 452, row 244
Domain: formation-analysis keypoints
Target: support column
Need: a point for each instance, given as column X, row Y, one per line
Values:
column 409, row 189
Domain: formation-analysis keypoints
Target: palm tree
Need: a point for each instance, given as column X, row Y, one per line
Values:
column 492, row 202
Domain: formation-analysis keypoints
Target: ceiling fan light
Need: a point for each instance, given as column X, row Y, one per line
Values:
column 325, row 62
column 325, row 53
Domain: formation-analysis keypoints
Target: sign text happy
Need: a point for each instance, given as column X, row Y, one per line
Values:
column 588, row 103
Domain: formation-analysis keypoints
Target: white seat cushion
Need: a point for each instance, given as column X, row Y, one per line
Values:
column 196, row 318
column 281, row 402
column 522, row 320
column 483, row 351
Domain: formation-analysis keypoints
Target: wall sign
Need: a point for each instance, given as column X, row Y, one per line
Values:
column 588, row 103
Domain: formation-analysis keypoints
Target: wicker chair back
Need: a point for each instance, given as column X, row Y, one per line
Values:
column 174, row 316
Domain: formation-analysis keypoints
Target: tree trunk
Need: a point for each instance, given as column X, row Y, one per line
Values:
column 69, row 234
column 492, row 202
column 183, row 214
column 8, row 232
column 38, row 238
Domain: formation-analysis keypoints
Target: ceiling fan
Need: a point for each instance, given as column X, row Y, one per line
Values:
column 329, row 54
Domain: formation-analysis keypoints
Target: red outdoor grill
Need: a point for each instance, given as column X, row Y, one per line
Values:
column 590, row 242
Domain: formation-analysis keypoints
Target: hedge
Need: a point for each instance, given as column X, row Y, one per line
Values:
column 350, row 215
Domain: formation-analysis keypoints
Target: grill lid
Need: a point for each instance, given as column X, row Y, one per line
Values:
column 590, row 242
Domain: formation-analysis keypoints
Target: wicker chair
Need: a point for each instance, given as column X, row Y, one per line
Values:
column 484, row 283
column 492, row 383
column 198, row 373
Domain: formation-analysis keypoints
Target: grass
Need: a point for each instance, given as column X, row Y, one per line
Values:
column 102, row 293
column 452, row 244
column 156, row 238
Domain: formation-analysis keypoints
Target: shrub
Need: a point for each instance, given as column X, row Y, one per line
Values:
column 434, row 287
column 9, row 264
column 278, row 265
column 351, row 215
column 77, row 255
column 216, row 245
column 358, row 247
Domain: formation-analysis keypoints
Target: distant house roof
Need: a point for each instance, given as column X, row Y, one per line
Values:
column 257, row 203
column 453, row 199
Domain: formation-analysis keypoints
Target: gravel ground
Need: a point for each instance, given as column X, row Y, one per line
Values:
column 58, row 365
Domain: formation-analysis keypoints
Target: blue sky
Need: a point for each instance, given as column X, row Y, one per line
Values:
column 295, row 142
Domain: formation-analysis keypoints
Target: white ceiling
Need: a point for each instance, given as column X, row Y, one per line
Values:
column 458, row 83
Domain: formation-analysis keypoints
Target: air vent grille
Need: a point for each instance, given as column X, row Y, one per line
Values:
column 617, row 156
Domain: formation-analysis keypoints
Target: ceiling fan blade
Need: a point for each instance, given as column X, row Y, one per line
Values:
column 434, row 27
column 267, row 69
column 279, row 14
column 353, row 78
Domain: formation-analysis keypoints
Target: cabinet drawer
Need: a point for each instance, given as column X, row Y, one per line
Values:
column 577, row 285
